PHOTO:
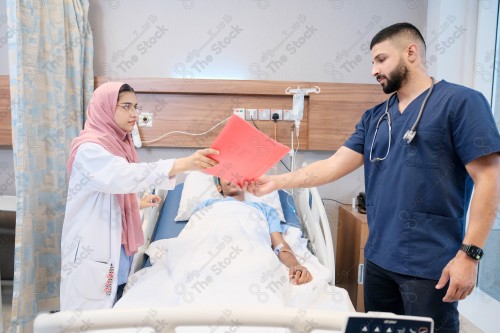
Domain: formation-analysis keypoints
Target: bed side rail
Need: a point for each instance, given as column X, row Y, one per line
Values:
column 165, row 320
column 313, row 214
column 149, row 219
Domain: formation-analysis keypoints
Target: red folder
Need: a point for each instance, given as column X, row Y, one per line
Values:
column 245, row 153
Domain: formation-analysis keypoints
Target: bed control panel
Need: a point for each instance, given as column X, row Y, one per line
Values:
column 388, row 323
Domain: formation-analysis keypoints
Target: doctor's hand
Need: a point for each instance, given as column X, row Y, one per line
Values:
column 199, row 161
column 261, row 186
column 299, row 274
column 461, row 272
column 151, row 200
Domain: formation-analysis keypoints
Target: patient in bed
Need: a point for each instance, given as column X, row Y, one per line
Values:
column 224, row 257
column 298, row 274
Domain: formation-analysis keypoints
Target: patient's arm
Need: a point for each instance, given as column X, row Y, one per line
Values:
column 298, row 274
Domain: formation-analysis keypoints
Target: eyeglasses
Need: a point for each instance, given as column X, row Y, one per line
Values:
column 130, row 107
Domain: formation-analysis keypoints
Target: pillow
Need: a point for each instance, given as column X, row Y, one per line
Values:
column 199, row 187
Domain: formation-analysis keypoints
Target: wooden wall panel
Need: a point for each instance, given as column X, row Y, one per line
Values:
column 5, row 117
column 334, row 113
column 198, row 113
column 197, row 105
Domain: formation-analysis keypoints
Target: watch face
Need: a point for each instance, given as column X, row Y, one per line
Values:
column 475, row 252
column 472, row 251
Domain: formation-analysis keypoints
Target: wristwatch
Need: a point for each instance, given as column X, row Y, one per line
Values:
column 472, row 251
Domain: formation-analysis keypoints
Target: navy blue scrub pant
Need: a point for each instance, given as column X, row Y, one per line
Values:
column 386, row 291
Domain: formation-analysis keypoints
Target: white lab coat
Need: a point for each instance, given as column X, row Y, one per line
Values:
column 91, row 235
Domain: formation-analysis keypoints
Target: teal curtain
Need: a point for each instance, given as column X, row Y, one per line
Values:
column 51, row 81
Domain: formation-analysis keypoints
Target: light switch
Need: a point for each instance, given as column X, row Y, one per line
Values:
column 240, row 112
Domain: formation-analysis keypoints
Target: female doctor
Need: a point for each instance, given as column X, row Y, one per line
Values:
column 102, row 227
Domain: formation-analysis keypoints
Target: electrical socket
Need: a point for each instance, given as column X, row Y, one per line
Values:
column 264, row 114
column 251, row 114
column 277, row 111
column 145, row 119
column 287, row 115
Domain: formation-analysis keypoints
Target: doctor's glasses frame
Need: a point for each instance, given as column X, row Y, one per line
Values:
column 130, row 107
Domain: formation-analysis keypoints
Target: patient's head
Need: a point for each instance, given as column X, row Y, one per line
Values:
column 228, row 189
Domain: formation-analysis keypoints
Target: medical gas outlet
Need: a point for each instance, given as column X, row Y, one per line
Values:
column 145, row 119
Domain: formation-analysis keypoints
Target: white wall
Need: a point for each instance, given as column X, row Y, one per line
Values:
column 461, row 42
column 7, row 177
column 324, row 41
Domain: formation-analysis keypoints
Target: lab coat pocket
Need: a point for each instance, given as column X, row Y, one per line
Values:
column 92, row 279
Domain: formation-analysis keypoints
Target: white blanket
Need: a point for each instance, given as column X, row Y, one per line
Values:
column 223, row 257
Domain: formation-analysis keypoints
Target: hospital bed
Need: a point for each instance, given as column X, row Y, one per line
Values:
column 309, row 215
column 160, row 223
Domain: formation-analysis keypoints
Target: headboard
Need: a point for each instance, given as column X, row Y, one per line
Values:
column 197, row 105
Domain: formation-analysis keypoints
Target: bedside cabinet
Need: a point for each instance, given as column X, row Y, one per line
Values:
column 352, row 233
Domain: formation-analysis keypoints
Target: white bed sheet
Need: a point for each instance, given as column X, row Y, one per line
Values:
column 223, row 257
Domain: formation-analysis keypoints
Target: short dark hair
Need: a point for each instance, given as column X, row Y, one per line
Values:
column 394, row 31
column 125, row 88
column 217, row 183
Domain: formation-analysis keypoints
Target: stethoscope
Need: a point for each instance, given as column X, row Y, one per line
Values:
column 409, row 135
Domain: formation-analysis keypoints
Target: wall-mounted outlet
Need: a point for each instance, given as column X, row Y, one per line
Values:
column 287, row 114
column 145, row 119
column 279, row 112
column 240, row 112
column 264, row 114
column 251, row 114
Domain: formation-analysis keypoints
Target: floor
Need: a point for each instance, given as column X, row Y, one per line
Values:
column 467, row 327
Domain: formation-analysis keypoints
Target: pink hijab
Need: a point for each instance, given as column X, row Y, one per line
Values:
column 101, row 128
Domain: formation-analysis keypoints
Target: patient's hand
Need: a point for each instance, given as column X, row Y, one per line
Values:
column 299, row 274
column 151, row 200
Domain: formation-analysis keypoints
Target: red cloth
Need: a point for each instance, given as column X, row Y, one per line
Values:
column 101, row 128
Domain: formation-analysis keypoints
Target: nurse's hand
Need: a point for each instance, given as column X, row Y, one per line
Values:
column 461, row 272
column 261, row 186
column 199, row 161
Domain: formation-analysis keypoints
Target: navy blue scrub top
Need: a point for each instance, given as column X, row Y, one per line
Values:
column 417, row 198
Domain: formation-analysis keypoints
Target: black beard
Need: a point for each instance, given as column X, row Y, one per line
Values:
column 398, row 77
